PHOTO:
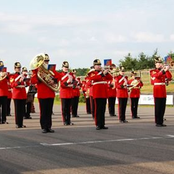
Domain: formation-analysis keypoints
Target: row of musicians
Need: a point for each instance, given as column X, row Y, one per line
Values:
column 119, row 87
column 46, row 95
column 14, row 86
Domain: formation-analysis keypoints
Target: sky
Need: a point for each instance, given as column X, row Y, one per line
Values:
column 80, row 31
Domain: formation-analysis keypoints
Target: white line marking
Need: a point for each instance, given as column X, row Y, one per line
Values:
column 101, row 141
column 87, row 142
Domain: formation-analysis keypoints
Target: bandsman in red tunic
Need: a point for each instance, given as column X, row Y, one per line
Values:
column 3, row 93
column 18, row 83
column 135, row 84
column 67, row 83
column 9, row 97
column 122, row 94
column 76, row 95
column 159, row 76
column 87, row 95
column 112, row 91
column 89, row 84
column 46, row 84
column 100, row 78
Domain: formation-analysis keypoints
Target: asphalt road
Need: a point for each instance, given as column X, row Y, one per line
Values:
column 137, row 147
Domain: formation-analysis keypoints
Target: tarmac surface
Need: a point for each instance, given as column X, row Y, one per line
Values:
column 137, row 147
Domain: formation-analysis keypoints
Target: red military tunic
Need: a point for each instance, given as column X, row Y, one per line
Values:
column 122, row 92
column 111, row 88
column 159, row 78
column 43, row 91
column 76, row 89
column 135, row 91
column 66, row 89
column 4, row 87
column 100, row 86
column 19, row 91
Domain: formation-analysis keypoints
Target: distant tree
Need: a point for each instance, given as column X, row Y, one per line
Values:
column 129, row 63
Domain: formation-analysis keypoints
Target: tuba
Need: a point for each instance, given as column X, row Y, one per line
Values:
column 44, row 75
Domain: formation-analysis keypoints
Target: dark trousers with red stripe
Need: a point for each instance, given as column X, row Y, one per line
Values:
column 3, row 105
column 134, row 107
column 8, row 106
column 74, row 105
column 88, row 107
column 46, row 110
column 122, row 103
column 92, row 106
column 111, row 105
column 160, row 106
column 28, row 109
column 66, row 105
column 19, row 105
column 99, row 113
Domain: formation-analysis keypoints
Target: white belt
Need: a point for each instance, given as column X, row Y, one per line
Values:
column 9, row 90
column 159, row 83
column 20, row 86
column 101, row 82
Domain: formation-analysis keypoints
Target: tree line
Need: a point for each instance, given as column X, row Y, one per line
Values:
column 130, row 63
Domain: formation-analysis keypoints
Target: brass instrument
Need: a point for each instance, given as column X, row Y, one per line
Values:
column 133, row 84
column 3, row 75
column 44, row 75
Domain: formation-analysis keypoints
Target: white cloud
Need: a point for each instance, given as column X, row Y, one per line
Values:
column 114, row 38
column 148, row 37
column 172, row 37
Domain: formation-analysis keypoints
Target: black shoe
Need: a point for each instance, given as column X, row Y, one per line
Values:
column 161, row 125
column 50, row 130
column 28, row 117
column 123, row 121
column 75, row 115
column 88, row 112
column 70, row 123
column 104, row 127
column 98, row 128
column 65, row 123
column 18, row 126
column 112, row 115
column 135, row 117
column 4, row 122
column 44, row 131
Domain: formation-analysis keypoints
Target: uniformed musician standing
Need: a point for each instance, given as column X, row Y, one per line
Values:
column 159, row 75
column 18, row 83
column 112, row 91
column 99, row 79
column 135, row 86
column 122, row 94
column 3, row 93
column 9, row 98
column 45, row 94
column 66, row 92
column 76, row 95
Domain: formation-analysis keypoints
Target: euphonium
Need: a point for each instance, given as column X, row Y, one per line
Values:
column 44, row 75
column 134, row 84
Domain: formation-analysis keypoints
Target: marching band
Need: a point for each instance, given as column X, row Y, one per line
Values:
column 99, row 85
